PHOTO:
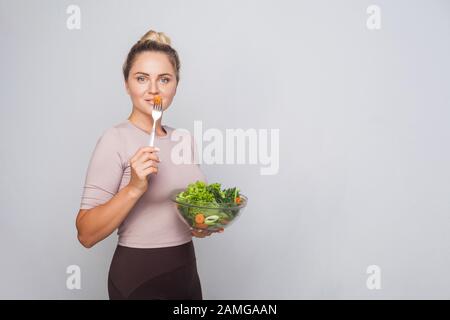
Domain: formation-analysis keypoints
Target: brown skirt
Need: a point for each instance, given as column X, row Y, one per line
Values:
column 168, row 273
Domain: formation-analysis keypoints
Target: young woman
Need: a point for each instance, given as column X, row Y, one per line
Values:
column 128, row 184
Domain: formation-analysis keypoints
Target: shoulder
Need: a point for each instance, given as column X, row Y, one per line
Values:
column 120, row 128
column 111, row 138
column 110, row 134
column 116, row 132
column 110, row 144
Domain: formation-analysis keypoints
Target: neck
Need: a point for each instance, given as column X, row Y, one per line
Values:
column 146, row 123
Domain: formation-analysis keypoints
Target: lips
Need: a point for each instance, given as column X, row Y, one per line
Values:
column 156, row 99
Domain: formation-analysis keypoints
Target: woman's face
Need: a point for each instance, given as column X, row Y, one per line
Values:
column 151, row 74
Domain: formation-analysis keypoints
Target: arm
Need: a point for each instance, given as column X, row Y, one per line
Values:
column 96, row 224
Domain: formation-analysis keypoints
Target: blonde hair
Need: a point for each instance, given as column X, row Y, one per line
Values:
column 155, row 36
column 154, row 42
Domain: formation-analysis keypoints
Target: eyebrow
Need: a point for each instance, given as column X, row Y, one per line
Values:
column 162, row 74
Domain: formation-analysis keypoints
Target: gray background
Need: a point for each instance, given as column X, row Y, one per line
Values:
column 363, row 118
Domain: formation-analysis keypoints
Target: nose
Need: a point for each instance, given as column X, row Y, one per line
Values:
column 153, row 87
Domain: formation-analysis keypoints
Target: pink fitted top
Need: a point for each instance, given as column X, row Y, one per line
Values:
column 153, row 222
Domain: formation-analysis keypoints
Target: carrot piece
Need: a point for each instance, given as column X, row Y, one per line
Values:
column 199, row 218
column 238, row 200
column 201, row 225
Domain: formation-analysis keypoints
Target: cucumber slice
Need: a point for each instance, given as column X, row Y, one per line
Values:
column 210, row 220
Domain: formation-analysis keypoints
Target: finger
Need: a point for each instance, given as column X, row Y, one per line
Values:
column 148, row 164
column 147, row 171
column 148, row 156
column 141, row 151
column 197, row 235
column 142, row 164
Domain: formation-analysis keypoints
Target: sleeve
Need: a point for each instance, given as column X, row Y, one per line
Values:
column 104, row 172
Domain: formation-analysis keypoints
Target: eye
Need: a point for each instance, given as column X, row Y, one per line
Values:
column 165, row 79
column 140, row 79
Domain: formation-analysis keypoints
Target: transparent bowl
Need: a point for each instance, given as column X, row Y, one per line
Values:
column 216, row 217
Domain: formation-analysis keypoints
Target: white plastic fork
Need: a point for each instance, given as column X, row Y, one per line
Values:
column 156, row 115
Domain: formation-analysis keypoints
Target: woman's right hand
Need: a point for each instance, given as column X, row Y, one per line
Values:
column 143, row 163
column 201, row 233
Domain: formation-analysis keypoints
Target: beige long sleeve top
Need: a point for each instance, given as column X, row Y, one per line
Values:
column 153, row 222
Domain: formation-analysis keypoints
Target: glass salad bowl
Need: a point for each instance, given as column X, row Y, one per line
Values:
column 212, row 216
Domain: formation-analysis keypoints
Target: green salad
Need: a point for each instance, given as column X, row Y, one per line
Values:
column 222, row 205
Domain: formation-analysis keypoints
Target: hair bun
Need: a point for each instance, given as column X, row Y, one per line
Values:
column 159, row 37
